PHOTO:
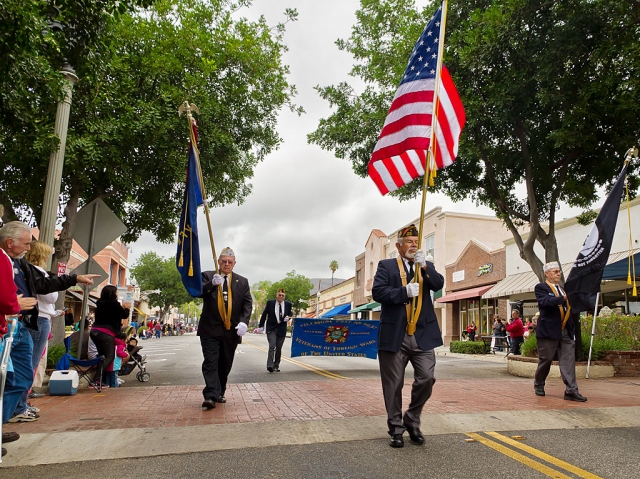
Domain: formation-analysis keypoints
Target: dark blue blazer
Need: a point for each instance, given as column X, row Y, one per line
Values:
column 550, row 322
column 389, row 292
column 270, row 317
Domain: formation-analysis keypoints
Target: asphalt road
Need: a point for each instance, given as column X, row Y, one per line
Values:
column 174, row 360
column 590, row 453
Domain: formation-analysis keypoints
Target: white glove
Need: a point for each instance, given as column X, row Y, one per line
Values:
column 217, row 280
column 418, row 258
column 413, row 289
column 242, row 329
column 286, row 318
column 429, row 259
column 260, row 330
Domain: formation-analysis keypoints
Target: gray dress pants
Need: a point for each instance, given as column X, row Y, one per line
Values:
column 275, row 349
column 566, row 348
column 392, row 368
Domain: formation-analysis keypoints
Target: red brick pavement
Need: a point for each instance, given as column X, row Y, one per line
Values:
column 169, row 406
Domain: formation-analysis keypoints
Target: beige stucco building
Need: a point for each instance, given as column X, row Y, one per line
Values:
column 445, row 235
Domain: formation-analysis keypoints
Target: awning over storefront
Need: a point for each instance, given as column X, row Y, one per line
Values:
column 337, row 311
column 618, row 267
column 466, row 293
column 521, row 285
column 77, row 295
column 364, row 307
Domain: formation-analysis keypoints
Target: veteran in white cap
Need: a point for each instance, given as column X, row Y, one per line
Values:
column 555, row 332
column 225, row 315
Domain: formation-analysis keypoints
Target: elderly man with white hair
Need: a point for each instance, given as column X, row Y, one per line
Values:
column 555, row 332
column 15, row 241
column 225, row 315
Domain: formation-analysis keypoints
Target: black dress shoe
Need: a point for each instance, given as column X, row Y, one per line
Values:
column 276, row 369
column 208, row 404
column 396, row 441
column 221, row 399
column 270, row 369
column 539, row 391
column 574, row 397
column 10, row 437
column 4, row 452
column 415, row 435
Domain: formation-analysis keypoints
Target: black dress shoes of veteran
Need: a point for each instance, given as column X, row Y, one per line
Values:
column 396, row 440
column 574, row 397
column 539, row 390
column 415, row 435
column 208, row 404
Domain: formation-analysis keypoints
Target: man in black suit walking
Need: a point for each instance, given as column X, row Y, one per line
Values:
column 276, row 315
column 401, row 340
column 555, row 332
column 225, row 315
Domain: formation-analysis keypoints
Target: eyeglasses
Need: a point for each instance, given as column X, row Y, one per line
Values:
column 226, row 261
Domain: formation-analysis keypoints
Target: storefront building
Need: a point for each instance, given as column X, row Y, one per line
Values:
column 476, row 271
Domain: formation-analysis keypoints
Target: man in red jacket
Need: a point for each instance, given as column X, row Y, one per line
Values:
column 516, row 329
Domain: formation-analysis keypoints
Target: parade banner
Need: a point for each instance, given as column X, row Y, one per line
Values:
column 328, row 337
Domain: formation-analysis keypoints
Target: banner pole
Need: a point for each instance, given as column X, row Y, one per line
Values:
column 188, row 107
column 593, row 333
column 430, row 166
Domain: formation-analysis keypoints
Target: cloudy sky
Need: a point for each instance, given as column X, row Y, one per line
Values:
column 307, row 207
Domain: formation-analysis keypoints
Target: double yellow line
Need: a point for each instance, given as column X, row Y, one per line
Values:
column 526, row 460
column 314, row 369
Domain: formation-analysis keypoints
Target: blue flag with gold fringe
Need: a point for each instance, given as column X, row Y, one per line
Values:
column 188, row 255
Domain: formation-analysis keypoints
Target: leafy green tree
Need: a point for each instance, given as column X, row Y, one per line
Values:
column 333, row 266
column 191, row 309
column 549, row 89
column 126, row 143
column 297, row 287
column 152, row 272
column 260, row 292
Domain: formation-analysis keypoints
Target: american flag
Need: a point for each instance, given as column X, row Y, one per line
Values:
column 400, row 154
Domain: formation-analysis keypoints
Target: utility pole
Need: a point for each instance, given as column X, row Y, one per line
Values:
column 56, row 162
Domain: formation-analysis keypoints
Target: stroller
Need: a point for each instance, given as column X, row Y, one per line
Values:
column 136, row 360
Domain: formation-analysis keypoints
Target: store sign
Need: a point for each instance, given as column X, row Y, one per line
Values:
column 485, row 269
column 458, row 276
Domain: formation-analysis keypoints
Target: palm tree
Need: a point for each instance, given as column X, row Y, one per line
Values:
column 333, row 266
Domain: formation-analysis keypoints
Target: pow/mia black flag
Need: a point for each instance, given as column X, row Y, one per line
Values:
column 583, row 283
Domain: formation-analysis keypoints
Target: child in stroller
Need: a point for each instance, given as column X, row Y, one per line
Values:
column 136, row 360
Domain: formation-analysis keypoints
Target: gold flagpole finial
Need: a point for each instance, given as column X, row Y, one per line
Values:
column 631, row 153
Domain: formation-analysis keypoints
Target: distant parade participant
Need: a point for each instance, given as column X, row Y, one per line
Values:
column 555, row 332
column 400, row 342
column 276, row 315
column 225, row 315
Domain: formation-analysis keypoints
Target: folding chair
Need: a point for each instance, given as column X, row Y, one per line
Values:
column 83, row 366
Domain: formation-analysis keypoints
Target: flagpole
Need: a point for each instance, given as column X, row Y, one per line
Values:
column 593, row 333
column 186, row 107
column 416, row 302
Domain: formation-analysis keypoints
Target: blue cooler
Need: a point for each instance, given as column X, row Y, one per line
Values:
column 63, row 383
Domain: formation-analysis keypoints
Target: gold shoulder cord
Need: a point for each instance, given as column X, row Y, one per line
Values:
column 565, row 315
column 225, row 314
column 403, row 278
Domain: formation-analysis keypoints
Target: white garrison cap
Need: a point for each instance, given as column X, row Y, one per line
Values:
column 227, row 252
column 550, row 266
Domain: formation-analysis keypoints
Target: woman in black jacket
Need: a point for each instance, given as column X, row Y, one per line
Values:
column 109, row 320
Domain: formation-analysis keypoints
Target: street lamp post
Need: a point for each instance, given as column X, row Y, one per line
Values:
column 56, row 162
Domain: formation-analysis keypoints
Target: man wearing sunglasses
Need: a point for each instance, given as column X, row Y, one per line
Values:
column 276, row 315
column 225, row 315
